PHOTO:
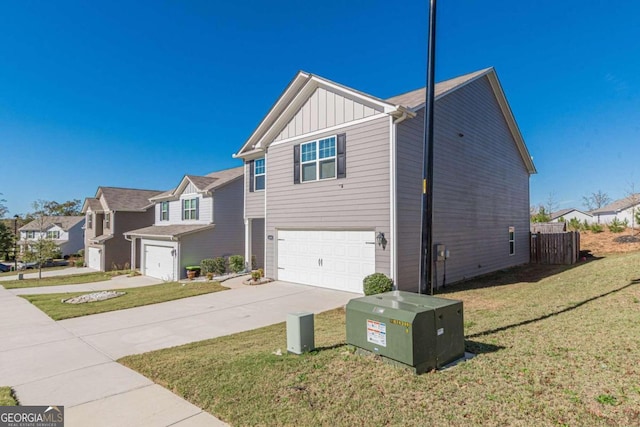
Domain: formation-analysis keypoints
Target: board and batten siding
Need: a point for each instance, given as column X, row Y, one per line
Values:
column 257, row 241
column 358, row 202
column 480, row 188
column 254, row 200
column 325, row 109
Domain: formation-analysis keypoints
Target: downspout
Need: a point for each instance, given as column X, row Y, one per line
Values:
column 393, row 194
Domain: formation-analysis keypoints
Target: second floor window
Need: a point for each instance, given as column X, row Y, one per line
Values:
column 318, row 159
column 31, row 234
column 259, row 174
column 107, row 220
column 53, row 234
column 90, row 221
column 164, row 211
column 190, row 209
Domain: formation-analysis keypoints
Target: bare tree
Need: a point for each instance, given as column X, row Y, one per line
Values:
column 596, row 200
column 634, row 199
column 551, row 204
column 43, row 247
column 3, row 208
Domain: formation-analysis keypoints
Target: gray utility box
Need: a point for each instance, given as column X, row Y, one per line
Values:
column 300, row 335
column 420, row 331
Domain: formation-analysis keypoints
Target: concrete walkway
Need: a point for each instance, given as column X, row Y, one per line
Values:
column 72, row 362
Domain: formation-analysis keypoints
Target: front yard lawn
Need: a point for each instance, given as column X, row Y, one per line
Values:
column 555, row 347
column 53, row 306
column 71, row 279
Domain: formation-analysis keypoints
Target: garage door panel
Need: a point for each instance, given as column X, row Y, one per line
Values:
column 335, row 259
column 158, row 262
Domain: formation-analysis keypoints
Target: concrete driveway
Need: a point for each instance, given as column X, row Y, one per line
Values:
column 71, row 362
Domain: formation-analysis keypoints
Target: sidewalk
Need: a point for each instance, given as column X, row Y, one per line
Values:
column 118, row 282
column 33, row 274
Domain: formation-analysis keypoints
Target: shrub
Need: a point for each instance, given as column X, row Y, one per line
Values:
column 217, row 266
column 255, row 275
column 377, row 283
column 79, row 262
column 81, row 253
column 236, row 263
column 617, row 226
column 574, row 224
column 596, row 228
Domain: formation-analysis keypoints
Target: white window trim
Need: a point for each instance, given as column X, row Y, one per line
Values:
column 90, row 221
column 193, row 209
column 52, row 234
column 162, row 211
column 107, row 220
column 318, row 159
column 512, row 230
column 256, row 175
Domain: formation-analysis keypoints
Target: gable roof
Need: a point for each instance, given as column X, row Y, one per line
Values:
column 204, row 184
column 619, row 205
column 407, row 103
column 563, row 212
column 64, row 222
column 119, row 199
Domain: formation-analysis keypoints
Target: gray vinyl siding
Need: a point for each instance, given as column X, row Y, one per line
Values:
column 117, row 250
column 358, row 202
column 205, row 208
column 325, row 109
column 481, row 188
column 257, row 241
column 254, row 200
column 196, row 247
column 228, row 233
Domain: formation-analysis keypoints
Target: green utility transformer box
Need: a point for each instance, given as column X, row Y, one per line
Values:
column 420, row 331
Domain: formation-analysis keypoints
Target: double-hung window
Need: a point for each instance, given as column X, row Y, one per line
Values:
column 318, row 159
column 90, row 221
column 31, row 234
column 190, row 208
column 107, row 220
column 164, row 211
column 53, row 234
column 512, row 240
column 259, row 174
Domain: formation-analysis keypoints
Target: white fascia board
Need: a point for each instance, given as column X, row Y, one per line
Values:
column 298, row 81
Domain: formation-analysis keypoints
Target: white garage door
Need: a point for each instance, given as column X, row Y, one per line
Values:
column 330, row 259
column 94, row 258
column 158, row 262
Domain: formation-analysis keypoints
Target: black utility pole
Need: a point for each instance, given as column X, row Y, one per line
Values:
column 426, row 256
column 15, row 242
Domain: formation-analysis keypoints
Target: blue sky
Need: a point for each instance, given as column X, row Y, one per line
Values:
column 137, row 94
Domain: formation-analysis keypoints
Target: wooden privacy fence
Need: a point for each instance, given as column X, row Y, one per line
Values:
column 555, row 248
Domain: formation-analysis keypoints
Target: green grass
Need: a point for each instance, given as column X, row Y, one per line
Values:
column 71, row 279
column 6, row 397
column 53, row 306
column 555, row 346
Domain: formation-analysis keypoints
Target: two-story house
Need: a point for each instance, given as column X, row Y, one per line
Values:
column 65, row 231
column 622, row 210
column 112, row 212
column 200, row 218
column 334, row 181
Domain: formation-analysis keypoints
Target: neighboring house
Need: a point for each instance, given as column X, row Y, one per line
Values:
column 112, row 212
column 621, row 210
column 571, row 213
column 65, row 231
column 333, row 181
column 201, row 218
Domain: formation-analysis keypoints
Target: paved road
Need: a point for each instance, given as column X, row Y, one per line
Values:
column 72, row 362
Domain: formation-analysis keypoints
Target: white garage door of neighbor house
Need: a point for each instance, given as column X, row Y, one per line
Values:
column 158, row 262
column 93, row 258
column 329, row 259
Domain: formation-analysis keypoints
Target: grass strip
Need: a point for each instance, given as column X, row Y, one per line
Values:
column 555, row 346
column 71, row 279
column 53, row 306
